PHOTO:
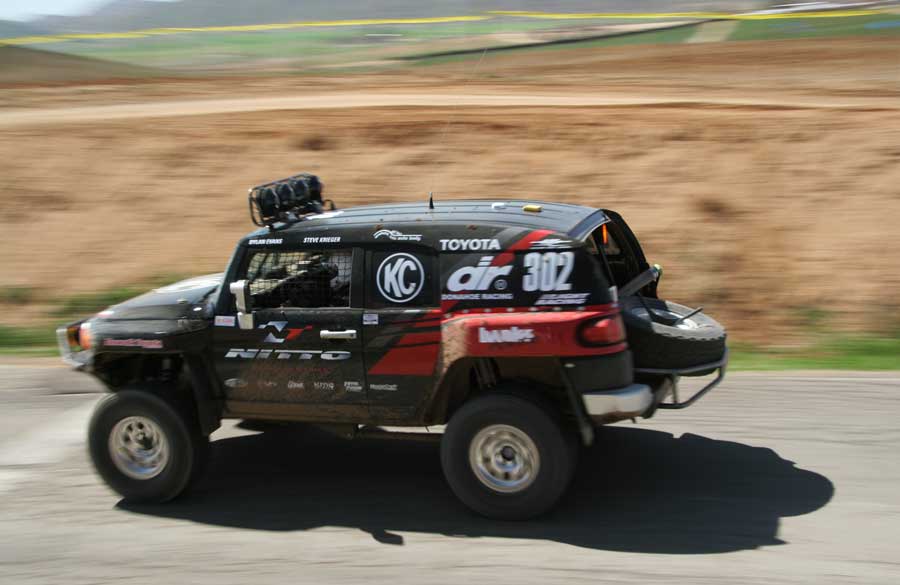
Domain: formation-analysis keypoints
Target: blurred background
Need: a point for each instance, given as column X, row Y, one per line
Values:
column 753, row 146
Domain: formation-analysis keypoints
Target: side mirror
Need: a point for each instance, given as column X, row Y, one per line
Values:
column 241, row 291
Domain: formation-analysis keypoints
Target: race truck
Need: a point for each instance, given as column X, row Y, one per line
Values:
column 516, row 326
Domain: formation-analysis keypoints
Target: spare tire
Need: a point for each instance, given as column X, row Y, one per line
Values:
column 660, row 343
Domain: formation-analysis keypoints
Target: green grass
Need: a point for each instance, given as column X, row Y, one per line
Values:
column 798, row 28
column 27, row 341
column 840, row 353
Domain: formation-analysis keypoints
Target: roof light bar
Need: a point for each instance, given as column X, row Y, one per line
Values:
column 286, row 200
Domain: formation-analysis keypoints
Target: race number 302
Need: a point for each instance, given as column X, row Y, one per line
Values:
column 548, row 271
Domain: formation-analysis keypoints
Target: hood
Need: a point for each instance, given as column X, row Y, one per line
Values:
column 186, row 299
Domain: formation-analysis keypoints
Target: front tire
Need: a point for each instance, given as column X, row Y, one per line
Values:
column 506, row 458
column 144, row 448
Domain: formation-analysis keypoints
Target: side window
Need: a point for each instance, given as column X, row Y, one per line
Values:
column 401, row 279
column 309, row 279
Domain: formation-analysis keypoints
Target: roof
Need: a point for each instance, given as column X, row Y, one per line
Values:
column 558, row 217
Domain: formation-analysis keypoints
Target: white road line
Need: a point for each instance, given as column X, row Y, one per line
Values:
column 48, row 443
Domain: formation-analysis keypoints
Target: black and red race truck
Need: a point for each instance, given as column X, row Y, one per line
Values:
column 520, row 325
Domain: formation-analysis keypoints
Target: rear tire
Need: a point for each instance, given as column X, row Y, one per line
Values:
column 144, row 448
column 507, row 458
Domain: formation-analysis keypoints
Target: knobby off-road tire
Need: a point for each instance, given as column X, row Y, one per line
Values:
column 144, row 447
column 507, row 457
column 657, row 345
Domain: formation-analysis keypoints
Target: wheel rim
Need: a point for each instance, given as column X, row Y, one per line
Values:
column 504, row 458
column 669, row 315
column 138, row 447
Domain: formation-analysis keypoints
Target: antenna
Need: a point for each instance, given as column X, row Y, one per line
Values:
column 449, row 122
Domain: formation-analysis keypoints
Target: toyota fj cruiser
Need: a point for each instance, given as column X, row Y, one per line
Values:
column 519, row 325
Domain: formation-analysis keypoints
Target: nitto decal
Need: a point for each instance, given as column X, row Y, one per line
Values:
column 511, row 335
column 472, row 245
column 397, row 236
column 550, row 243
column 291, row 334
column 141, row 343
column 323, row 385
column 563, row 299
column 548, row 271
column 400, row 277
column 479, row 277
column 265, row 241
column 286, row 354
column 322, row 240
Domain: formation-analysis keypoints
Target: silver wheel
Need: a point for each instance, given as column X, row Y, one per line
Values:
column 138, row 447
column 504, row 458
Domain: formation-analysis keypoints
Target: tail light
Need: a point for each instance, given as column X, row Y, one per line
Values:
column 603, row 331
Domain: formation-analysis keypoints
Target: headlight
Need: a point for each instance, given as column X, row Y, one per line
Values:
column 83, row 335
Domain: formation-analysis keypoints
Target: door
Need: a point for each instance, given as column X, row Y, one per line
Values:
column 303, row 359
column 401, row 329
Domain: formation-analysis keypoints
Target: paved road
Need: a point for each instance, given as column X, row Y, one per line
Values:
column 771, row 479
column 16, row 117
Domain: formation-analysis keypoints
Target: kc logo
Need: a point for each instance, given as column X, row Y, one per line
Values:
column 400, row 277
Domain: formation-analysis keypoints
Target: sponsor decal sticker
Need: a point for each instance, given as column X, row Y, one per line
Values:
column 279, row 326
column 224, row 321
column 352, row 386
column 322, row 240
column 286, row 354
column 370, row 318
column 236, row 383
column 400, row 277
column 397, row 236
column 383, row 387
column 292, row 385
column 323, row 385
column 563, row 299
column 141, row 343
column 469, row 245
column 267, row 384
column 265, row 241
column 550, row 243
column 510, row 335
column 481, row 277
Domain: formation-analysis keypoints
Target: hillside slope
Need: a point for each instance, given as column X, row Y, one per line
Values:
column 21, row 65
